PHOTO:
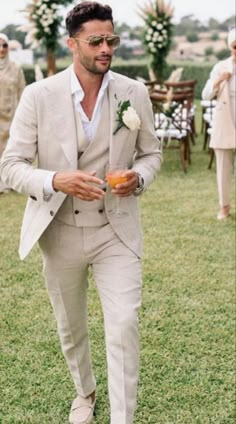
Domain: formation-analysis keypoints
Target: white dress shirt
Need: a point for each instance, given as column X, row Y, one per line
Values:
column 89, row 126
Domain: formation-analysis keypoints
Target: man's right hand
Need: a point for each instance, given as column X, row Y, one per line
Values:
column 84, row 185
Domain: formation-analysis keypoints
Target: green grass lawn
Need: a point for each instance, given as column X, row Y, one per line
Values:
column 186, row 322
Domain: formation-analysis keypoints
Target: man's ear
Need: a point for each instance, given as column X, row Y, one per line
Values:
column 70, row 43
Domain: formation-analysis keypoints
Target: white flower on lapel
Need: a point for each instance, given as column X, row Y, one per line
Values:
column 131, row 119
column 127, row 116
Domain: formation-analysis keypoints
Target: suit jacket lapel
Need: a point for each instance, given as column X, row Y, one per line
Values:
column 228, row 67
column 64, row 117
column 118, row 94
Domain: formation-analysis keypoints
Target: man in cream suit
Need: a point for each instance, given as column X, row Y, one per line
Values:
column 67, row 124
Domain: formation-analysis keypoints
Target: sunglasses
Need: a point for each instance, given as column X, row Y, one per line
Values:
column 4, row 45
column 97, row 40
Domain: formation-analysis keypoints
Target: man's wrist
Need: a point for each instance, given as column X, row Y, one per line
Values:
column 48, row 188
column 140, row 187
column 53, row 182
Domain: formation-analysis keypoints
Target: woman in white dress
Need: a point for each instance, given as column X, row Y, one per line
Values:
column 12, row 83
column 222, row 86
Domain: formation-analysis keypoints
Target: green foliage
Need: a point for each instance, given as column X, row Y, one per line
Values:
column 189, row 24
column 124, row 52
column 122, row 107
column 192, row 37
column 215, row 36
column 14, row 34
column 200, row 73
column 222, row 54
column 209, row 51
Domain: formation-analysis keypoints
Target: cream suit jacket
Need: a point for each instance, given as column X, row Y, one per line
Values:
column 223, row 128
column 43, row 137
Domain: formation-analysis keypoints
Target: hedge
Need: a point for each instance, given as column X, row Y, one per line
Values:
column 200, row 72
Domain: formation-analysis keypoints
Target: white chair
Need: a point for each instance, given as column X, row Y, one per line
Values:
column 207, row 113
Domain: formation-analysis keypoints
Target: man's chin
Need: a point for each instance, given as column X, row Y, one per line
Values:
column 102, row 70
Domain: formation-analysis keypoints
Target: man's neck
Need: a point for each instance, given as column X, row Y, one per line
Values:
column 90, row 83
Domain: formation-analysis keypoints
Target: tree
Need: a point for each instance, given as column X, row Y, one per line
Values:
column 209, row 51
column 214, row 36
column 222, row 54
column 188, row 24
column 192, row 37
column 14, row 34
column 213, row 24
column 43, row 28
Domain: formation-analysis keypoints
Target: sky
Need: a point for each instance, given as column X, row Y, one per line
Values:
column 127, row 10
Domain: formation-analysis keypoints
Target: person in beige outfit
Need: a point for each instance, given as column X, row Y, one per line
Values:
column 222, row 86
column 70, row 123
column 12, row 83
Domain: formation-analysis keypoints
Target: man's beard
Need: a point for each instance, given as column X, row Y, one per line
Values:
column 94, row 69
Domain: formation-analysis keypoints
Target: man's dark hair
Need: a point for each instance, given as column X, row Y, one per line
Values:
column 84, row 12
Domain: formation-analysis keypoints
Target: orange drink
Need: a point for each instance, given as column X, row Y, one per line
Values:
column 116, row 177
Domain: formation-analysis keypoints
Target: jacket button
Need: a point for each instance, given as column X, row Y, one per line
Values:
column 51, row 213
column 100, row 211
column 76, row 212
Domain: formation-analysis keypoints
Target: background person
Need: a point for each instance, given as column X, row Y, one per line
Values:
column 12, row 83
column 222, row 86
column 69, row 122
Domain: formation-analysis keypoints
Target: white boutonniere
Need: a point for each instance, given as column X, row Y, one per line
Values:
column 127, row 117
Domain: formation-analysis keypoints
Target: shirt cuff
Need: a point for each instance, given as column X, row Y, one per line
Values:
column 47, row 186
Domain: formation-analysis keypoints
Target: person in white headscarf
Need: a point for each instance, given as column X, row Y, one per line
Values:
column 222, row 86
column 12, row 83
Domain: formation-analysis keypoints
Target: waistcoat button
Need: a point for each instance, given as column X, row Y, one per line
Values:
column 100, row 211
column 76, row 212
column 51, row 213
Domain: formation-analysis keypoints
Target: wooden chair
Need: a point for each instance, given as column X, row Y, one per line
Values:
column 150, row 84
column 189, row 87
column 175, row 122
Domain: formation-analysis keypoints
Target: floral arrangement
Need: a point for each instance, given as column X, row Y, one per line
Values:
column 157, row 36
column 44, row 23
column 127, row 116
column 167, row 110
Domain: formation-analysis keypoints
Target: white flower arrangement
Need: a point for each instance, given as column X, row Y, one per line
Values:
column 44, row 22
column 158, row 33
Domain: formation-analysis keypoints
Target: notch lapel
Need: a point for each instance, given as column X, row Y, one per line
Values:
column 118, row 142
column 62, row 108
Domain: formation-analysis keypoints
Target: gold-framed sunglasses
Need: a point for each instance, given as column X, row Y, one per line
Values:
column 97, row 40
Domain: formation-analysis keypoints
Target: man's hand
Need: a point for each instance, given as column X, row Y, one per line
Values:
column 127, row 188
column 83, row 185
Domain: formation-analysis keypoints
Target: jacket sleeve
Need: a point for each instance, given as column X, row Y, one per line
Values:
column 209, row 92
column 148, row 156
column 17, row 168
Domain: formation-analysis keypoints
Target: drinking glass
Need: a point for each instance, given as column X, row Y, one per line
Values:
column 116, row 175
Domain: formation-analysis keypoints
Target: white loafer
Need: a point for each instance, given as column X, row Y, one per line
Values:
column 82, row 410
